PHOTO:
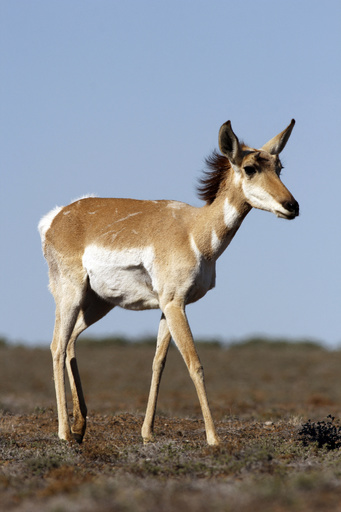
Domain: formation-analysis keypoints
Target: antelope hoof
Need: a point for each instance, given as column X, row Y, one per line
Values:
column 66, row 438
column 77, row 437
column 215, row 441
column 148, row 440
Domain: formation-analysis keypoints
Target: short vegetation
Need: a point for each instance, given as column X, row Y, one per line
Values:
column 276, row 406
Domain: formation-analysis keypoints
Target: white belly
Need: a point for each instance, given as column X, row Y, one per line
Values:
column 124, row 278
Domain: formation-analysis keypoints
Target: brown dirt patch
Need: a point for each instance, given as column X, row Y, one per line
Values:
column 260, row 394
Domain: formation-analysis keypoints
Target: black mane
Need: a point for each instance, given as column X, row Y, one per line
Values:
column 209, row 184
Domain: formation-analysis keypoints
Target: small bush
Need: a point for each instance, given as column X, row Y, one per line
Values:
column 324, row 433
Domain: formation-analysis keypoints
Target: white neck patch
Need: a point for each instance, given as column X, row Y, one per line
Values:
column 231, row 215
column 194, row 248
column 215, row 242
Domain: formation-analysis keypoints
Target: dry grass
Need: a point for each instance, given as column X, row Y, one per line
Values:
column 260, row 394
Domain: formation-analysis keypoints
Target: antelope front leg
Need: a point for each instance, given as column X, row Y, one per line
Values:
column 181, row 333
column 159, row 361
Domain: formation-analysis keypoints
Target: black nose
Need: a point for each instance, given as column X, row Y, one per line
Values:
column 292, row 207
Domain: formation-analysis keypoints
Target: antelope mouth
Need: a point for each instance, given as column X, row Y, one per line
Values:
column 289, row 210
column 286, row 215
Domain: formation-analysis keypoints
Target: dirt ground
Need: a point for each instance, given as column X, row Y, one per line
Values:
column 260, row 394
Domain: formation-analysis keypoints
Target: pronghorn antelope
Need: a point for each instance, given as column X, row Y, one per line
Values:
column 140, row 255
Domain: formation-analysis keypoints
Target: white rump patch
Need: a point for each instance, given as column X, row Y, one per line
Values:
column 46, row 221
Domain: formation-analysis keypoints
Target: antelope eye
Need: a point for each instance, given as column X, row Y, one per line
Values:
column 249, row 170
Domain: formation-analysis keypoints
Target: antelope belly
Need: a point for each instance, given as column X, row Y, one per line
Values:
column 124, row 278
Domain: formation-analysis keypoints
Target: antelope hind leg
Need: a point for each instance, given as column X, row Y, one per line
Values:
column 94, row 309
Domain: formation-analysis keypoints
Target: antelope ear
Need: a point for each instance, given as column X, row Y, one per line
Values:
column 277, row 144
column 229, row 144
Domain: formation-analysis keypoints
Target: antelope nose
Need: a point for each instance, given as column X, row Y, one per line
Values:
column 292, row 207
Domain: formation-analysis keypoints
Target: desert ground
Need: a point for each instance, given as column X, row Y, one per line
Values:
column 261, row 392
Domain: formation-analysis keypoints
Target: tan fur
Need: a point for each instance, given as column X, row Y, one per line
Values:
column 135, row 254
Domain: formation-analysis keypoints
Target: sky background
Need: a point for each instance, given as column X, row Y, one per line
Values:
column 125, row 99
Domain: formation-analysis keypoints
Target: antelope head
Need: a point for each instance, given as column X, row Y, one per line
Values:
column 257, row 172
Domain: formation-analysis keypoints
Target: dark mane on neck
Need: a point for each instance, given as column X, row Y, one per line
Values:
column 209, row 184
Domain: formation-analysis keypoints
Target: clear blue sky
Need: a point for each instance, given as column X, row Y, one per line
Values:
column 125, row 99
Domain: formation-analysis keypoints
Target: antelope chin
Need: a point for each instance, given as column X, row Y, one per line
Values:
column 287, row 216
